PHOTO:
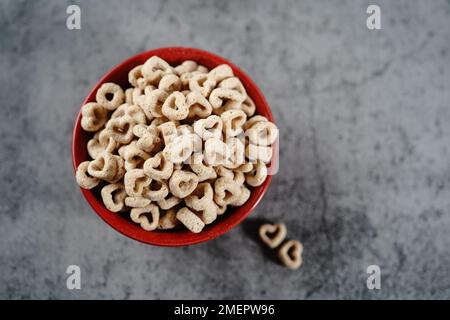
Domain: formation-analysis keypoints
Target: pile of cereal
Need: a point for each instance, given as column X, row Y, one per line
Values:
column 178, row 147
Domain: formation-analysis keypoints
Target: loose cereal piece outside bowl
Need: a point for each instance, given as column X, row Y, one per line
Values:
column 182, row 237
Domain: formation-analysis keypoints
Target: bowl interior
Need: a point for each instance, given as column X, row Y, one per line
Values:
column 123, row 224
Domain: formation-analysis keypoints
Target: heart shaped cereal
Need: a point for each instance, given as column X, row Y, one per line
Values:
column 273, row 234
column 291, row 254
column 158, row 167
column 182, row 183
column 175, row 107
column 208, row 128
column 198, row 105
column 202, row 83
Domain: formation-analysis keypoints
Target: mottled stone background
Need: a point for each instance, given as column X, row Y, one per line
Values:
column 364, row 174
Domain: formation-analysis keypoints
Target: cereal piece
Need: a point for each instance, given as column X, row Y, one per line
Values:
column 135, row 181
column 216, row 152
column 175, row 107
column 84, row 179
column 104, row 167
column 290, row 254
column 147, row 217
column 253, row 120
column 248, row 106
column 148, row 137
column 142, row 101
column 182, row 183
column 225, row 99
column 178, row 166
column 234, row 84
column 186, row 77
column 133, row 156
column 98, row 144
column 137, row 202
column 273, row 234
column 93, row 116
column 137, row 96
column 129, row 96
column 182, row 147
column 120, row 111
column 201, row 200
column 95, row 148
column 154, row 69
column 237, row 153
column 136, row 79
column 226, row 191
column 202, row 83
column 158, row 167
column 185, row 129
column 190, row 220
column 104, row 138
column 221, row 209
column 170, row 83
column 257, row 175
column 233, row 120
column 120, row 170
column 157, row 190
column 185, row 66
column 149, row 88
column 202, row 170
column 237, row 177
column 224, row 172
column 159, row 121
column 139, row 99
column 198, row 105
column 263, row 133
column 121, row 129
column 208, row 128
column 113, row 196
column 168, row 220
column 221, row 72
column 202, row 69
column 132, row 111
column 168, row 131
column 201, row 197
column 255, row 153
column 209, row 213
column 153, row 103
column 159, row 143
column 168, row 203
column 110, row 96
column 111, row 146
column 245, row 167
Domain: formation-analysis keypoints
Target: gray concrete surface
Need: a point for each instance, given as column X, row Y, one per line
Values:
column 364, row 174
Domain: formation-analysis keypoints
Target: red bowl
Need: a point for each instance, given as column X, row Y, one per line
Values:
column 224, row 223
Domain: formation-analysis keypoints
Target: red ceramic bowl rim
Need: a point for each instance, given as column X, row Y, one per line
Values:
column 182, row 237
